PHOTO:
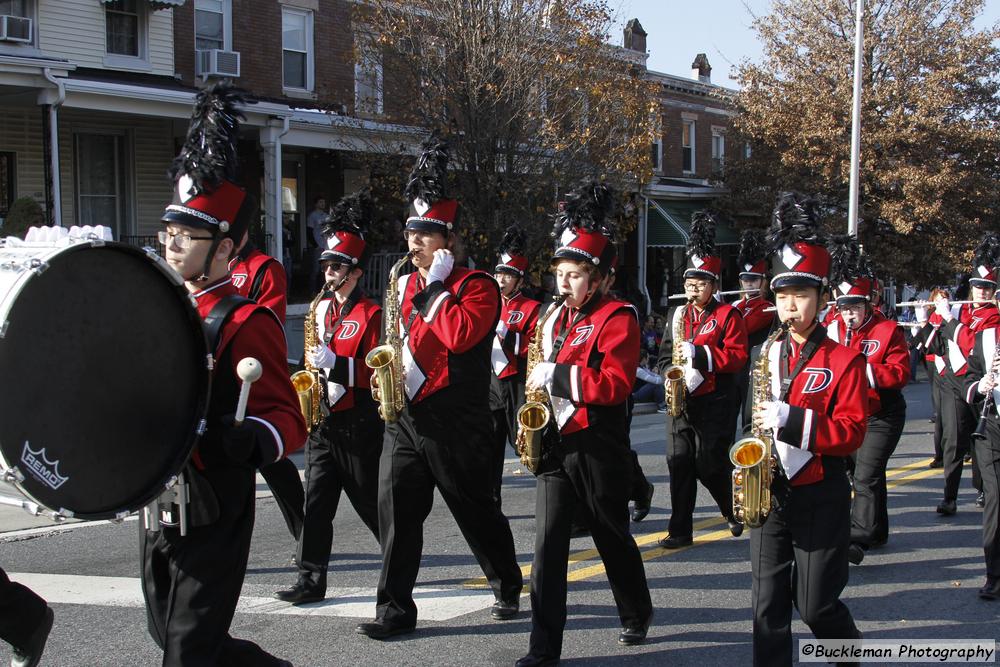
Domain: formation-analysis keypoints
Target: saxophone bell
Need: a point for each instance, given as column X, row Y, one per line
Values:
column 386, row 360
column 535, row 415
column 307, row 383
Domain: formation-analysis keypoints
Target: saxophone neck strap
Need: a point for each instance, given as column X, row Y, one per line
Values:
column 345, row 310
column 560, row 340
column 808, row 350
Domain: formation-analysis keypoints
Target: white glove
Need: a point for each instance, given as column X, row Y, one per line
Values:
column 441, row 266
column 775, row 414
column 322, row 357
column 502, row 328
column 943, row 308
column 986, row 384
column 687, row 349
column 921, row 314
column 541, row 375
column 692, row 377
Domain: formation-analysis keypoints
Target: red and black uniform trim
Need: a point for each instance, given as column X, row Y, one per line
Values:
column 447, row 329
column 719, row 335
column 350, row 330
column 262, row 278
column 756, row 317
column 510, row 353
column 887, row 355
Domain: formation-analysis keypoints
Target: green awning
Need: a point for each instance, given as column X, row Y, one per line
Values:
column 669, row 222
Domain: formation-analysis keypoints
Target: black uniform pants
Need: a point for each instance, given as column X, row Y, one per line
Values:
column 869, row 513
column 988, row 461
column 799, row 556
column 342, row 454
column 21, row 610
column 444, row 442
column 698, row 449
column 957, row 424
column 936, row 383
column 507, row 397
column 192, row 584
column 282, row 478
column 595, row 475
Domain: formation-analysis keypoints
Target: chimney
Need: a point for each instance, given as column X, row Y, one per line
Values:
column 700, row 69
column 635, row 36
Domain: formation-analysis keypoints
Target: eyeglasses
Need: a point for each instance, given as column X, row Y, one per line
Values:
column 331, row 266
column 695, row 284
column 181, row 240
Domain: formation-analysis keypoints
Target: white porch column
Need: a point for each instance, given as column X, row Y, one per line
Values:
column 270, row 143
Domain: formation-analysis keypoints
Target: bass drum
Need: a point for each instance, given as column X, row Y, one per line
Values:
column 104, row 376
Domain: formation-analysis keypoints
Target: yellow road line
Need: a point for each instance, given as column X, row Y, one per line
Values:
column 656, row 551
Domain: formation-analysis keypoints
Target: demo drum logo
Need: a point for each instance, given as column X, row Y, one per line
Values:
column 46, row 471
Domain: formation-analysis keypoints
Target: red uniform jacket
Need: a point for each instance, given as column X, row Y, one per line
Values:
column 829, row 404
column 510, row 353
column 829, row 315
column 597, row 362
column 757, row 320
column 881, row 341
column 357, row 332
column 720, row 339
column 960, row 332
column 448, row 328
column 271, row 288
column 253, row 331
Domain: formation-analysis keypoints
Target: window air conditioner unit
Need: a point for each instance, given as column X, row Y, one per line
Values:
column 15, row 29
column 215, row 62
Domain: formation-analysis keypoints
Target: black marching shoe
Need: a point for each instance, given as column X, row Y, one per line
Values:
column 641, row 507
column 505, row 610
column 303, row 592
column 981, row 499
column 30, row 654
column 990, row 591
column 675, row 542
column 936, row 463
column 855, row 553
column 379, row 629
column 735, row 527
column 634, row 634
column 532, row 660
column 947, row 507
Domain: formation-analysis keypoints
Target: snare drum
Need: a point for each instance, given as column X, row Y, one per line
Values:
column 104, row 376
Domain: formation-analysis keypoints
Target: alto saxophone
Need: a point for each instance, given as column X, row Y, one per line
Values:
column 673, row 377
column 386, row 360
column 752, row 457
column 308, row 384
column 534, row 415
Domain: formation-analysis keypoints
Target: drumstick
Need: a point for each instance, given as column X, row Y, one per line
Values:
column 249, row 370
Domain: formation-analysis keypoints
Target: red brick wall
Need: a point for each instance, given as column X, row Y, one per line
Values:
column 672, row 124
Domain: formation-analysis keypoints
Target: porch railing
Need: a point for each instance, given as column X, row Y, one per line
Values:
column 374, row 279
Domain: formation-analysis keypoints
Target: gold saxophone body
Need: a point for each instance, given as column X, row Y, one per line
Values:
column 673, row 377
column 534, row 415
column 752, row 457
column 308, row 383
column 386, row 360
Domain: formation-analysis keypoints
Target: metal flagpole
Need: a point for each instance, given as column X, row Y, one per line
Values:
column 852, row 216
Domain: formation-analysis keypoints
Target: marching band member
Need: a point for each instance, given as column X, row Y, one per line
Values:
column 715, row 352
column 343, row 452
column 954, row 343
column 261, row 278
column 192, row 583
column 934, row 365
column 982, row 393
column 817, row 414
column 862, row 328
column 518, row 316
column 591, row 347
column 448, row 318
column 25, row 622
column 757, row 312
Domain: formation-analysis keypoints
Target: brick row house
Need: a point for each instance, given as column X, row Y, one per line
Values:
column 95, row 96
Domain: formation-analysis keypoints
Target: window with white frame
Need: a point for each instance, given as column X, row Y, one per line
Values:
column 124, row 27
column 101, row 181
column 22, row 9
column 657, row 154
column 213, row 25
column 687, row 146
column 15, row 8
column 368, row 76
column 718, row 148
column 297, row 48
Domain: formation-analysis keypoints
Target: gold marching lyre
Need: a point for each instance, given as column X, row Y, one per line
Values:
column 534, row 415
column 386, row 360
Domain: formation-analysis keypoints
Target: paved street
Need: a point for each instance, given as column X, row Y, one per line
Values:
column 921, row 585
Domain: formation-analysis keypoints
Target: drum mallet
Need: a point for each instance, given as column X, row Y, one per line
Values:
column 249, row 370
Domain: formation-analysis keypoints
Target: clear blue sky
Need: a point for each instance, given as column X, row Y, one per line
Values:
column 681, row 29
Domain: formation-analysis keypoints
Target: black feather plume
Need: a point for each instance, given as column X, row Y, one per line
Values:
column 846, row 261
column 752, row 247
column 352, row 213
column 209, row 152
column 795, row 220
column 429, row 177
column 701, row 241
column 591, row 207
column 987, row 253
column 514, row 242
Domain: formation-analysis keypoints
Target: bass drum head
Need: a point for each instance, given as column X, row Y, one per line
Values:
column 104, row 377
